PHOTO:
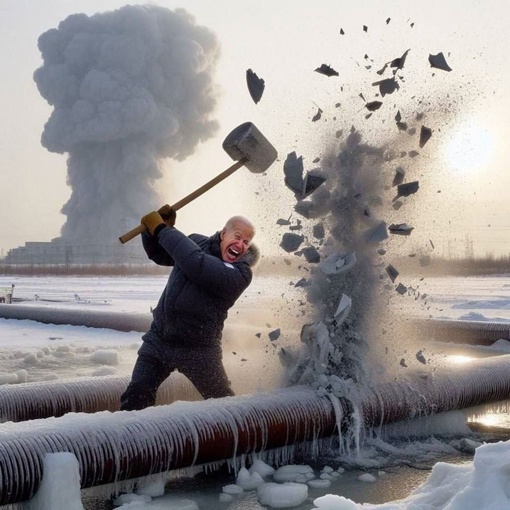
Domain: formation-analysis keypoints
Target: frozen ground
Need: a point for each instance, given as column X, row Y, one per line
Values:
column 383, row 472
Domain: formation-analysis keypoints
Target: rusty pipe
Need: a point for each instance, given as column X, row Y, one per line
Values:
column 112, row 447
column 45, row 399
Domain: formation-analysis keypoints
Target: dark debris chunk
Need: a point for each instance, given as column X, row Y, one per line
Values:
column 425, row 134
column 255, row 84
column 326, row 70
column 439, row 62
column 409, row 188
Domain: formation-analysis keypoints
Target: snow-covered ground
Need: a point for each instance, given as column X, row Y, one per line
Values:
column 30, row 351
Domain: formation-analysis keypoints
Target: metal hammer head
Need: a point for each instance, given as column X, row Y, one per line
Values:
column 248, row 143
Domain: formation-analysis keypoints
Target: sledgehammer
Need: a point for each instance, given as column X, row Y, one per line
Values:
column 247, row 146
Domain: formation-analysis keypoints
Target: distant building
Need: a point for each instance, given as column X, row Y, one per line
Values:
column 67, row 252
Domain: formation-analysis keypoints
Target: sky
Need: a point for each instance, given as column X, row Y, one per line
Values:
column 463, row 167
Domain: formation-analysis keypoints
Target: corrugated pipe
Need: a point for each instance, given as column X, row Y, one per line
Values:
column 45, row 399
column 112, row 447
column 463, row 332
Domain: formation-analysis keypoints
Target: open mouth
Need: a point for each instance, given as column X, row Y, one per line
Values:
column 233, row 253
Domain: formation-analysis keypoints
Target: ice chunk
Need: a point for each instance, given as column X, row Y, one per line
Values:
column 290, row 472
column 286, row 495
column 319, row 484
column 105, row 357
column 367, row 477
column 248, row 480
column 60, row 485
column 232, row 489
column 260, row 467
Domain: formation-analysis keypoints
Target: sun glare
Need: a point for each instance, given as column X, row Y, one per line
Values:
column 469, row 149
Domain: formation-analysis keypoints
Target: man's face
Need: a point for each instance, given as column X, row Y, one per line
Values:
column 235, row 241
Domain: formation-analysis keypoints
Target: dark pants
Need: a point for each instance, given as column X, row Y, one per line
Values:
column 157, row 359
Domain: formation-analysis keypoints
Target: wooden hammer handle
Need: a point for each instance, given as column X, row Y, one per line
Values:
column 189, row 198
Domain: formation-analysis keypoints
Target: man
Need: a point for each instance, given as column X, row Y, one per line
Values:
column 209, row 274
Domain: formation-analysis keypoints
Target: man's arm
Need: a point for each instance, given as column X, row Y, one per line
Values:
column 155, row 251
column 208, row 271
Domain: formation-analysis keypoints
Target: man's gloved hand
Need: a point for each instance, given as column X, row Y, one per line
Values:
column 168, row 215
column 152, row 221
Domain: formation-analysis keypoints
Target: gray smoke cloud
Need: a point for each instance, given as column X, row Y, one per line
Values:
column 128, row 88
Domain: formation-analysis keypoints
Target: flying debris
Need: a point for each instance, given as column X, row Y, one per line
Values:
column 337, row 263
column 403, row 363
column 401, row 289
column 255, row 85
column 302, row 283
column 377, row 233
column 317, row 116
column 281, row 221
column 400, row 228
column 392, row 272
column 373, row 106
column 439, row 62
column 387, row 86
column 311, row 254
column 383, row 68
column 388, row 20
column 420, row 357
column 326, row 70
column 318, row 231
column 342, row 31
column 402, row 126
column 399, row 176
column 297, row 226
column 400, row 61
column 302, row 187
column 291, row 242
column 311, row 182
column 365, row 28
column 425, row 135
column 293, row 170
column 274, row 335
column 404, row 190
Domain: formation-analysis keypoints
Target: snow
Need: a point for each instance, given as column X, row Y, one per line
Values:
column 30, row 351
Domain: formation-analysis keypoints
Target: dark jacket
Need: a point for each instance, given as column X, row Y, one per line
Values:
column 201, row 287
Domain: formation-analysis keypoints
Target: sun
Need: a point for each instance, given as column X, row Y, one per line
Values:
column 469, row 149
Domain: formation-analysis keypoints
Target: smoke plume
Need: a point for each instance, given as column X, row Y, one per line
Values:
column 128, row 88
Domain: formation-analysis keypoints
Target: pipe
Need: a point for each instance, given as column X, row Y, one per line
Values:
column 472, row 332
column 81, row 317
column 112, row 447
column 464, row 332
column 45, row 399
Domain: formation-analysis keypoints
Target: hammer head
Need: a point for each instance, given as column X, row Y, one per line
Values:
column 246, row 142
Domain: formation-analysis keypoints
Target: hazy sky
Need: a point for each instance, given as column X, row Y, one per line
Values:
column 467, row 159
